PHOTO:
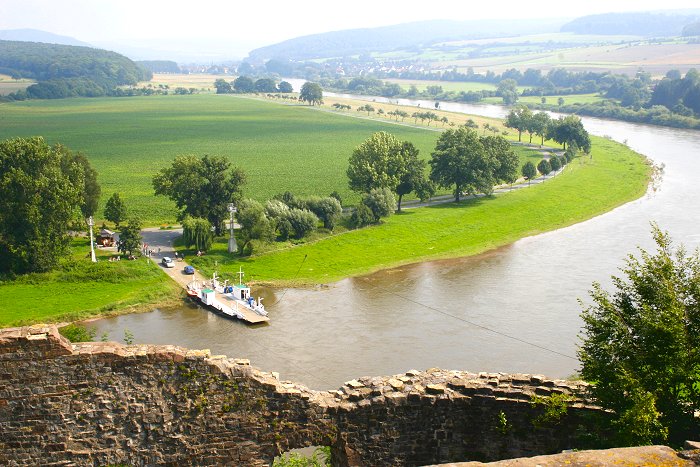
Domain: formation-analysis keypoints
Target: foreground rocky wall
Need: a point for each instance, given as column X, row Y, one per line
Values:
column 105, row 403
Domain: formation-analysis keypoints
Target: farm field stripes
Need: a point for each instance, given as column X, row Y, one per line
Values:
column 281, row 147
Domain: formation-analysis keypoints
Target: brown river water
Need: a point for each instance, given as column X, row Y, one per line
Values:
column 512, row 310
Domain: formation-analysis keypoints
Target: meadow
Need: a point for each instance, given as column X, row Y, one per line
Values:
column 127, row 140
column 587, row 187
column 79, row 289
column 456, row 86
column 591, row 98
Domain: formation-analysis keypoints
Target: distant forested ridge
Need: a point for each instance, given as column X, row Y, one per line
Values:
column 692, row 29
column 401, row 36
column 67, row 71
column 634, row 24
column 35, row 35
column 159, row 66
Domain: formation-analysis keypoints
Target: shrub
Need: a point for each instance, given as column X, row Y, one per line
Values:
column 361, row 217
column 198, row 232
column 327, row 209
column 544, row 167
column 302, row 222
column 381, row 202
column 554, row 163
column 77, row 333
column 276, row 209
column 641, row 346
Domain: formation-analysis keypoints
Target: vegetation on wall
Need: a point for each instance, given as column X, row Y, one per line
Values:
column 641, row 346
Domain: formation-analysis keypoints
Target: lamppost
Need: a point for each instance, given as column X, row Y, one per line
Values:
column 232, row 247
column 92, row 243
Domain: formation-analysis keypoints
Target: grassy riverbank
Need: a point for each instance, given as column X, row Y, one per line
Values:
column 80, row 289
column 284, row 148
column 588, row 187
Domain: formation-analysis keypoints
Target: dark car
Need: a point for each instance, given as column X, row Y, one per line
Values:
column 188, row 270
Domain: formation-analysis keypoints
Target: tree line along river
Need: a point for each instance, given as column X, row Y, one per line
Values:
column 512, row 310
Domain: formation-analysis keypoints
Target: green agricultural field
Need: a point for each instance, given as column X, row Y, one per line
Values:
column 588, row 187
column 281, row 147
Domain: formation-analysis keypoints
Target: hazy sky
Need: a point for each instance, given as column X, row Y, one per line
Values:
column 247, row 24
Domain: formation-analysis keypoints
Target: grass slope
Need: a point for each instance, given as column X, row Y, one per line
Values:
column 281, row 147
column 80, row 289
column 588, row 187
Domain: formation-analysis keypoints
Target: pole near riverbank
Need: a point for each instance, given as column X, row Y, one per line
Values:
column 232, row 247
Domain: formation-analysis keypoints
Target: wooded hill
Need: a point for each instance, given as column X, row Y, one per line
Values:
column 652, row 24
column 419, row 36
column 387, row 38
column 67, row 71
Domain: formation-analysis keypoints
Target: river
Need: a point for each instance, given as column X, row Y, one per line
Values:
column 512, row 310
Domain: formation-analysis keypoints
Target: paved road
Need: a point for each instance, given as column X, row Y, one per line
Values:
column 415, row 203
column 162, row 240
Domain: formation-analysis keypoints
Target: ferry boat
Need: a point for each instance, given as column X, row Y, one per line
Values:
column 231, row 300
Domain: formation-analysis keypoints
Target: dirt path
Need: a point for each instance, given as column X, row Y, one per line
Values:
column 161, row 242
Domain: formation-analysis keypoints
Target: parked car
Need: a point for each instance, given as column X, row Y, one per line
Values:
column 168, row 262
column 188, row 270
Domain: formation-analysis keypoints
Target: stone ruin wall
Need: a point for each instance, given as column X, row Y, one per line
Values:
column 104, row 403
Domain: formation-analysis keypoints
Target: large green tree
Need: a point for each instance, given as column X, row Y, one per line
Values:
column 569, row 130
column 382, row 161
column 243, row 84
column 641, row 346
column 265, row 85
column 508, row 90
column 539, row 124
column 115, row 210
column 413, row 178
column 311, row 93
column 285, row 87
column 201, row 187
column 222, row 86
column 42, row 190
column 130, row 237
column 81, row 173
column 519, row 119
column 375, row 163
column 460, row 161
column 197, row 232
column 508, row 162
column 254, row 225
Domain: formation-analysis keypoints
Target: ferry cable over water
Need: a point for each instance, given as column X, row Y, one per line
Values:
column 480, row 326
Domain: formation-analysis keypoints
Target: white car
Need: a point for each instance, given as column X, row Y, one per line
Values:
column 168, row 262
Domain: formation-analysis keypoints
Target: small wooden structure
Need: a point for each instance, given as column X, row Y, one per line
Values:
column 106, row 238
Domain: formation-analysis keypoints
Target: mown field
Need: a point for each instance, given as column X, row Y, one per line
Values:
column 9, row 85
column 281, row 147
column 588, row 187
